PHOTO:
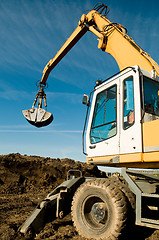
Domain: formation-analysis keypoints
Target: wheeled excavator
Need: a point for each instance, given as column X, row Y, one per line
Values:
column 121, row 130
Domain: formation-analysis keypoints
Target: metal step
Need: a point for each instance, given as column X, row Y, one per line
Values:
column 149, row 223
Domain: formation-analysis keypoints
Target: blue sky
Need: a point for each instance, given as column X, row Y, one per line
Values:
column 31, row 32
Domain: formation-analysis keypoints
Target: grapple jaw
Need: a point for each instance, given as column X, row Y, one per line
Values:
column 38, row 117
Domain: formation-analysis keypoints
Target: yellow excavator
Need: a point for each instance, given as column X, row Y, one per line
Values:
column 121, row 130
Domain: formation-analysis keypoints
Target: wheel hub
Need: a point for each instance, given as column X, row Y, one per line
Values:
column 98, row 211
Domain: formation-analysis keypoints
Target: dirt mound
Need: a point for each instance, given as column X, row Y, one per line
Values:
column 25, row 181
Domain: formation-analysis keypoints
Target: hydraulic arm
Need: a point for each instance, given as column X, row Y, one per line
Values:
column 112, row 39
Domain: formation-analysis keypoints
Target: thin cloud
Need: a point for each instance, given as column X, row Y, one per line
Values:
column 14, row 94
column 40, row 131
column 8, row 93
column 71, row 97
column 35, row 40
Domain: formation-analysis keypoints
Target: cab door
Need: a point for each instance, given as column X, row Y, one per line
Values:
column 102, row 138
column 130, row 117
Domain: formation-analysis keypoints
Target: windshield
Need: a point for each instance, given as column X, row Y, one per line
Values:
column 104, row 118
column 151, row 96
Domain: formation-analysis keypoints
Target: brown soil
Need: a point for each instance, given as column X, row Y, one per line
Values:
column 26, row 180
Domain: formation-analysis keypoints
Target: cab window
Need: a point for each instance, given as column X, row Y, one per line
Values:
column 129, row 117
column 151, row 96
column 104, row 119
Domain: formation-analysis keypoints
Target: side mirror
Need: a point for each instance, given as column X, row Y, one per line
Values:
column 85, row 100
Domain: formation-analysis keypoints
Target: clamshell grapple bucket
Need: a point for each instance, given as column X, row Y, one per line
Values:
column 38, row 117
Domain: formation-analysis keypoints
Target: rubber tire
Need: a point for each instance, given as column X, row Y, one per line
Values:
column 127, row 192
column 93, row 191
column 131, row 204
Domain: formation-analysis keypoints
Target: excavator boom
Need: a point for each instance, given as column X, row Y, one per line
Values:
column 112, row 39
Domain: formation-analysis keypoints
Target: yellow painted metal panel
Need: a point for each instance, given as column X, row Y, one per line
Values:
column 101, row 158
column 136, row 160
column 151, row 157
column 132, row 157
column 151, row 134
column 124, row 158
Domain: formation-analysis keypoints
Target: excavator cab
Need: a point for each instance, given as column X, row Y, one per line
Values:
column 123, row 121
column 38, row 117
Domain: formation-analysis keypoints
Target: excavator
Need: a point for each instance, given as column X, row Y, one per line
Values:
column 121, row 130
